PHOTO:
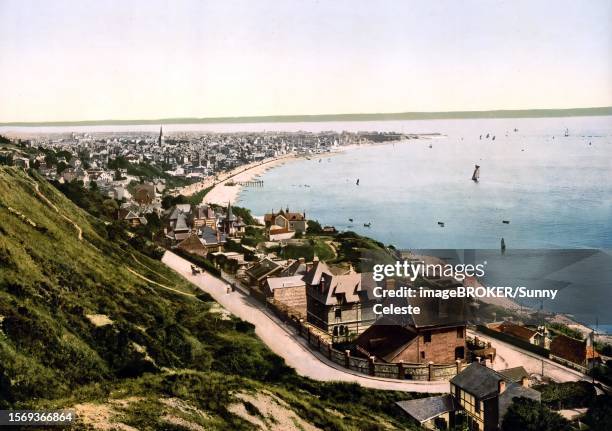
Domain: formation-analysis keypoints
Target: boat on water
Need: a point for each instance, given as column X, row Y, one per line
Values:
column 476, row 174
column 367, row 224
column 441, row 223
column 430, row 146
column 487, row 136
column 493, row 138
column 503, row 245
column 357, row 181
column 566, row 134
column 351, row 220
column 506, row 221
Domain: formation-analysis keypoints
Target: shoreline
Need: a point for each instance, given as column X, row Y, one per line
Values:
column 221, row 193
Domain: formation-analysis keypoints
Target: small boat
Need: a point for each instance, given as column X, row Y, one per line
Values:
column 503, row 245
column 515, row 130
column 566, row 134
column 357, row 181
column 351, row 220
column 487, row 136
column 480, row 137
column 476, row 174
column 506, row 221
column 367, row 224
column 430, row 146
column 441, row 223
column 493, row 138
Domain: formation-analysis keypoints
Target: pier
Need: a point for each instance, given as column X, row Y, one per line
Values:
column 250, row 183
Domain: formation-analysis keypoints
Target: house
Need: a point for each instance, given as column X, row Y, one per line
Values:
column 297, row 267
column 436, row 334
column 528, row 335
column 286, row 221
column 340, row 305
column 260, row 271
column 485, row 395
column 571, row 351
column 432, row 413
column 179, row 228
column 289, row 291
column 204, row 215
column 205, row 241
column 439, row 340
column 230, row 224
column 131, row 217
column 478, row 400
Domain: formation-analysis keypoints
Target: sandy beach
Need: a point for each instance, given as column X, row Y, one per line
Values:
column 222, row 193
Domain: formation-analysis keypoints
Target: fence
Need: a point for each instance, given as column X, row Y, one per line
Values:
column 401, row 370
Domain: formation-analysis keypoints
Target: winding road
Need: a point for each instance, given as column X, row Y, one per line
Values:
column 282, row 339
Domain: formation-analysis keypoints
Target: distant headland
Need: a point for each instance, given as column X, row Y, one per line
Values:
column 509, row 113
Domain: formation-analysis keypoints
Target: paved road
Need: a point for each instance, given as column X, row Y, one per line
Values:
column 283, row 341
column 509, row 356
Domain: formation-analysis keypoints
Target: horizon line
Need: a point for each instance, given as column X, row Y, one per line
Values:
column 299, row 118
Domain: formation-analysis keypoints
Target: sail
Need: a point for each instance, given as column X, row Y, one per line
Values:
column 476, row 173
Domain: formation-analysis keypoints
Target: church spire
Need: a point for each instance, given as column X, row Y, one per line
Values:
column 161, row 135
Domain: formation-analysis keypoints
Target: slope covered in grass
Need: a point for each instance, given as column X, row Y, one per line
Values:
column 92, row 323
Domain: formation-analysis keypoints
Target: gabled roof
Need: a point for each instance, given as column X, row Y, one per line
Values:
column 480, row 381
column 282, row 282
column 296, row 268
column 571, row 349
column 424, row 409
column 211, row 236
column 515, row 374
column 517, row 331
column 263, row 268
column 181, row 223
column 385, row 339
column 313, row 277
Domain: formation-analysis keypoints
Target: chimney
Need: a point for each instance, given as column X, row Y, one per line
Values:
column 524, row 382
column 501, row 386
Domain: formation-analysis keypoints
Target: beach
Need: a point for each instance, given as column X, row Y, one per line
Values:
column 222, row 193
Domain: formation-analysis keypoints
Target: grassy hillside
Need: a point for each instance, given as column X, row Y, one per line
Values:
column 93, row 324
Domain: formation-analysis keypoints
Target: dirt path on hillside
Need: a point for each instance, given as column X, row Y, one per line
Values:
column 56, row 209
column 160, row 285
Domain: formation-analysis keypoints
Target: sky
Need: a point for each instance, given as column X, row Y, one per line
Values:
column 146, row 59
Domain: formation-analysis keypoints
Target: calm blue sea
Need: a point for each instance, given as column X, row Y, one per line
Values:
column 556, row 191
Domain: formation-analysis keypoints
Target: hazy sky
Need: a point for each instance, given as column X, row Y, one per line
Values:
column 92, row 60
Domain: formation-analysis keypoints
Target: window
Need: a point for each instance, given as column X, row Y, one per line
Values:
column 477, row 406
column 427, row 337
column 422, row 355
column 459, row 352
column 459, row 332
column 338, row 313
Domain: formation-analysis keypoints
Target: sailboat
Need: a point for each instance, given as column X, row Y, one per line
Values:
column 566, row 134
column 503, row 245
column 476, row 174
column 357, row 181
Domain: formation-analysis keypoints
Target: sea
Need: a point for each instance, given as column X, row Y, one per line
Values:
column 550, row 179
column 554, row 192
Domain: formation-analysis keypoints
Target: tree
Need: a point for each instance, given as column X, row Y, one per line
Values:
column 599, row 415
column 529, row 415
column 314, row 227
